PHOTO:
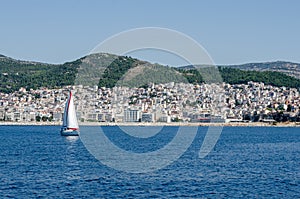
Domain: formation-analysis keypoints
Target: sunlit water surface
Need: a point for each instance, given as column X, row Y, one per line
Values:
column 247, row 162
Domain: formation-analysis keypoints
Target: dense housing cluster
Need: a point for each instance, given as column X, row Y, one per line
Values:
column 170, row 102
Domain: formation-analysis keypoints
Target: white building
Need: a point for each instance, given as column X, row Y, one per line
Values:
column 131, row 115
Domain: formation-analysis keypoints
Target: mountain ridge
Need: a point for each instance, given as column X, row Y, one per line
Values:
column 242, row 65
column 111, row 68
column 286, row 67
column 289, row 68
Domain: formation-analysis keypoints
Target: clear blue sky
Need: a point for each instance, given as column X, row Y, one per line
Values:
column 231, row 31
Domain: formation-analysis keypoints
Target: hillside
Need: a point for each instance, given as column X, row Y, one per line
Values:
column 108, row 70
column 289, row 68
column 15, row 74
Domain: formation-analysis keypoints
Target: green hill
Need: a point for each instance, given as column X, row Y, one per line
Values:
column 15, row 74
column 274, row 78
column 237, row 76
column 288, row 68
column 108, row 70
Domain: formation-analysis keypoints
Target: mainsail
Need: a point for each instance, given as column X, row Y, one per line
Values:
column 70, row 119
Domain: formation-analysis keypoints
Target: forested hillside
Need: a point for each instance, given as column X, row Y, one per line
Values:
column 108, row 70
column 15, row 74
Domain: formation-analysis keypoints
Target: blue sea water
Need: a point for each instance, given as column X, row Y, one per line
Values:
column 247, row 162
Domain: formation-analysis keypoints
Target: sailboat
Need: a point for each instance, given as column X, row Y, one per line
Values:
column 70, row 125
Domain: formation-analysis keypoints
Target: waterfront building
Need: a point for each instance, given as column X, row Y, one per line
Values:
column 131, row 115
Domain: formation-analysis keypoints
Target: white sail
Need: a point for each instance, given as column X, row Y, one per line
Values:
column 70, row 119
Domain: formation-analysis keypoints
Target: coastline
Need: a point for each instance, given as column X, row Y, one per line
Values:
column 237, row 124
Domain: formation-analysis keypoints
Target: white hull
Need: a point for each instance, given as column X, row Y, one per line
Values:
column 69, row 132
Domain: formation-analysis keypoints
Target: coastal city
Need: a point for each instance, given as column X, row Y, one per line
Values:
column 156, row 103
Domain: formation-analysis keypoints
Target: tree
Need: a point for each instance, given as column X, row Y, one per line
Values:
column 38, row 118
column 44, row 118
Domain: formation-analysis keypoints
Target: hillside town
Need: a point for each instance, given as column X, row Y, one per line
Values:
column 155, row 103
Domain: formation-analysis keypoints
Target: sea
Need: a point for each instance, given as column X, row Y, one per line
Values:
column 246, row 162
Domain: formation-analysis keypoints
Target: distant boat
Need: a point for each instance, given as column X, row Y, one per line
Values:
column 70, row 125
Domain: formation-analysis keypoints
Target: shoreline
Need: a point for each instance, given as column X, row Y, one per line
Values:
column 238, row 124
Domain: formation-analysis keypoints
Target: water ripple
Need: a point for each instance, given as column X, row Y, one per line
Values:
column 36, row 162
